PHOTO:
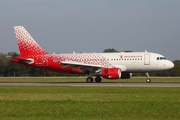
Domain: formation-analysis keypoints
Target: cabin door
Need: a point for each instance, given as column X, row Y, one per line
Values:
column 146, row 59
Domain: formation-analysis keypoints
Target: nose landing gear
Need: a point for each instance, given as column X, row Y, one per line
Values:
column 148, row 79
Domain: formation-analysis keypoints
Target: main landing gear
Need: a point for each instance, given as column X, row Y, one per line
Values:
column 148, row 79
column 98, row 79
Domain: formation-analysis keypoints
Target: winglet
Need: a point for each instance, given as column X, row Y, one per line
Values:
column 27, row 45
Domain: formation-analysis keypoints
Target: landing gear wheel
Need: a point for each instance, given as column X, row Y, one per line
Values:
column 98, row 79
column 148, row 80
column 89, row 79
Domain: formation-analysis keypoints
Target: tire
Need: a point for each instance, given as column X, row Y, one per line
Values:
column 98, row 79
column 148, row 80
column 89, row 80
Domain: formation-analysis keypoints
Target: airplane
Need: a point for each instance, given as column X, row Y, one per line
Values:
column 111, row 66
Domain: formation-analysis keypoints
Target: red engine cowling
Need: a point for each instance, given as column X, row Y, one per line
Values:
column 114, row 73
column 111, row 73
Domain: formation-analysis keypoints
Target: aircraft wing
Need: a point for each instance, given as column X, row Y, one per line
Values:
column 80, row 65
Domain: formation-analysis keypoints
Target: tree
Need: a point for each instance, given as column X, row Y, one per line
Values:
column 110, row 50
column 1, row 68
column 114, row 50
column 3, row 63
column 127, row 51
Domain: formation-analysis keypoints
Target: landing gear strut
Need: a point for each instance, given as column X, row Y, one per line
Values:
column 148, row 80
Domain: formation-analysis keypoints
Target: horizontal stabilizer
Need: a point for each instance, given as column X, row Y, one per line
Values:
column 27, row 60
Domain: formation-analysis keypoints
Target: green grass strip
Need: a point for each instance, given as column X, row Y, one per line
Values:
column 89, row 103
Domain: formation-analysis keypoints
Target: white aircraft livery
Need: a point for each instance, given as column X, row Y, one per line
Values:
column 106, row 65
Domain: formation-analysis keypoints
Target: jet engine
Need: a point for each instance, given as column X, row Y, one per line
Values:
column 114, row 73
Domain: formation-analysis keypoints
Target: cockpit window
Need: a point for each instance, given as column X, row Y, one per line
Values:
column 161, row 58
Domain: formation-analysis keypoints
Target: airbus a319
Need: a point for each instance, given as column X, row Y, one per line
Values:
column 107, row 65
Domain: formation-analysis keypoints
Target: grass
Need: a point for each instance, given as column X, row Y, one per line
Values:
column 82, row 79
column 89, row 103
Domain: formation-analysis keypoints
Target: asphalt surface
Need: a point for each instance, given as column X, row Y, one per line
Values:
column 166, row 84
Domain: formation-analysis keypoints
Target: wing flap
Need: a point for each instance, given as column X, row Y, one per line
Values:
column 75, row 63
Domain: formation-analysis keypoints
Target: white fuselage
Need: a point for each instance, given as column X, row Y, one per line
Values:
column 127, row 62
column 138, row 61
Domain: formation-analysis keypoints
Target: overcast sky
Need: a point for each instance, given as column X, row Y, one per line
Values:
column 65, row 26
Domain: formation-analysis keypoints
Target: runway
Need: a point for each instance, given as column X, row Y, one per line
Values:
column 166, row 84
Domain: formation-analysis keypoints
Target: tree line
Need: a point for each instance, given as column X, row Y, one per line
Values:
column 10, row 69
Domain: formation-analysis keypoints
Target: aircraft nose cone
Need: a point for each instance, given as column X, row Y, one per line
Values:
column 171, row 64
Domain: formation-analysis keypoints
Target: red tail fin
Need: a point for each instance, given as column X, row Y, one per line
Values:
column 27, row 45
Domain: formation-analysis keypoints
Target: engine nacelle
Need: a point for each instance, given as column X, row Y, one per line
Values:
column 111, row 73
column 114, row 73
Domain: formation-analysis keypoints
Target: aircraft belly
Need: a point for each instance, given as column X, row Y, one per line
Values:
column 139, row 68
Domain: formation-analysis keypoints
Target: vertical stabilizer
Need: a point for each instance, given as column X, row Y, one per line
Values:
column 27, row 45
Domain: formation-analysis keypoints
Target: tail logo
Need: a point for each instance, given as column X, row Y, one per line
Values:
column 27, row 45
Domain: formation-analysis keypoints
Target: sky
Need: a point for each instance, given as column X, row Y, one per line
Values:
column 64, row 26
